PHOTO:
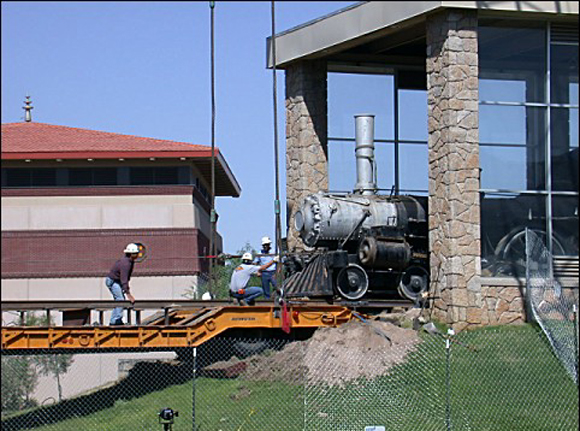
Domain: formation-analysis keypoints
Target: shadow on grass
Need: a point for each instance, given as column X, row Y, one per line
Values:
column 143, row 378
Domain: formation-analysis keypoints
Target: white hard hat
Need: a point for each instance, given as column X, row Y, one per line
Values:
column 207, row 296
column 266, row 240
column 132, row 248
column 247, row 256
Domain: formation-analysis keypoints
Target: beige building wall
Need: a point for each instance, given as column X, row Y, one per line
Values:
column 102, row 212
column 61, row 289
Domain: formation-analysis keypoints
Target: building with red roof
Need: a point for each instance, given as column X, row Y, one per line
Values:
column 73, row 198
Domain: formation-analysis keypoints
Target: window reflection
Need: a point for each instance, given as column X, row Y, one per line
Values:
column 342, row 166
column 514, row 141
column 563, row 74
column 413, row 115
column 504, row 219
column 512, row 149
column 510, row 53
column 564, row 149
column 565, row 225
column 385, row 157
column 414, row 163
column 352, row 94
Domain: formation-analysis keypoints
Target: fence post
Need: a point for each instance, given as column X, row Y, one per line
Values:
column 575, row 314
column 450, row 332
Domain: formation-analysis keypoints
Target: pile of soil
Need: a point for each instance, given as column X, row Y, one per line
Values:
column 332, row 356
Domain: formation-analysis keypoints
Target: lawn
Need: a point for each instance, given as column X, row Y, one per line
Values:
column 511, row 382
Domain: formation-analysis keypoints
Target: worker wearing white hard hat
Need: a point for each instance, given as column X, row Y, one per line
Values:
column 240, row 278
column 268, row 275
column 118, row 280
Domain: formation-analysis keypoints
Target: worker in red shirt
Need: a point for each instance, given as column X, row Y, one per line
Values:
column 118, row 281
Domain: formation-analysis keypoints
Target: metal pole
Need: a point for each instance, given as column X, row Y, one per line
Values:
column 212, row 217
column 276, row 168
column 396, row 156
column 193, row 427
column 450, row 332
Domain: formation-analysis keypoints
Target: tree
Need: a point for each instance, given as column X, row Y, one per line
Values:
column 49, row 364
column 55, row 365
column 19, row 379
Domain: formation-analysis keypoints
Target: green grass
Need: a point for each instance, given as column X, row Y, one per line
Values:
column 512, row 382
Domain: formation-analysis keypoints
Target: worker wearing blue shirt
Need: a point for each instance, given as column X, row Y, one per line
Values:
column 269, row 274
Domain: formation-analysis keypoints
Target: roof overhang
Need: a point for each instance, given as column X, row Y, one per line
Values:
column 226, row 183
column 367, row 21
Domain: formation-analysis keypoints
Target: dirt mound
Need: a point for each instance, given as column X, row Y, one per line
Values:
column 332, row 356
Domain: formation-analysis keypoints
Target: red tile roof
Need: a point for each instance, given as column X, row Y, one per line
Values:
column 21, row 138
column 40, row 141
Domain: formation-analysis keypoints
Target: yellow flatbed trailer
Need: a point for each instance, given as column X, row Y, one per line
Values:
column 187, row 328
column 180, row 324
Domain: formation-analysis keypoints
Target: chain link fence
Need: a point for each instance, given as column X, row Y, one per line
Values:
column 364, row 375
column 553, row 306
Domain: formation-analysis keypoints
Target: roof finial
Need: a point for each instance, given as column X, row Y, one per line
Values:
column 28, row 108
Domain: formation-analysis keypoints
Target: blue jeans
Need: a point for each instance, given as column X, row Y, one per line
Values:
column 118, row 295
column 250, row 294
column 268, row 278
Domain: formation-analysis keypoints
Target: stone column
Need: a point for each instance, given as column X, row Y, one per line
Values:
column 306, row 138
column 454, row 213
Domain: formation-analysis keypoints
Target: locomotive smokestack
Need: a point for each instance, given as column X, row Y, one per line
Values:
column 365, row 154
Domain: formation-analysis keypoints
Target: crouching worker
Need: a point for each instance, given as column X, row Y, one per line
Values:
column 118, row 281
column 241, row 276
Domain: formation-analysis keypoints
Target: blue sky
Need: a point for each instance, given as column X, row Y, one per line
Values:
column 143, row 68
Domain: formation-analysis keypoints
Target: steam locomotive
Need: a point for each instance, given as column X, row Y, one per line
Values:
column 360, row 244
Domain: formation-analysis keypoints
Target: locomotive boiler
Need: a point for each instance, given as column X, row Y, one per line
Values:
column 362, row 244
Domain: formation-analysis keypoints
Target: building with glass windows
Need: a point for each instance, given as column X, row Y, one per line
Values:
column 476, row 106
column 72, row 199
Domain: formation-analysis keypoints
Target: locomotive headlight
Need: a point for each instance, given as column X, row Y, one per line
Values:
column 299, row 221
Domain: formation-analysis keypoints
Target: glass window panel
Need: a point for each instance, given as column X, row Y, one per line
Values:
column 341, row 166
column 564, row 151
column 80, row 176
column 141, row 176
column 494, row 90
column 44, row 177
column 565, row 225
column 503, row 168
column 511, row 167
column 385, row 160
column 413, row 167
column 105, row 176
column 166, row 175
column 503, row 124
column 504, row 218
column 351, row 94
column 184, row 175
column 573, row 88
column 413, row 115
column 563, row 74
column 18, row 177
column 513, row 54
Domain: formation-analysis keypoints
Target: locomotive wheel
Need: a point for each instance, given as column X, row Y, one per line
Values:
column 352, row 282
column 414, row 282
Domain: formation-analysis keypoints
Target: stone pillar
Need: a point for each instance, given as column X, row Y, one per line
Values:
column 454, row 213
column 306, row 138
